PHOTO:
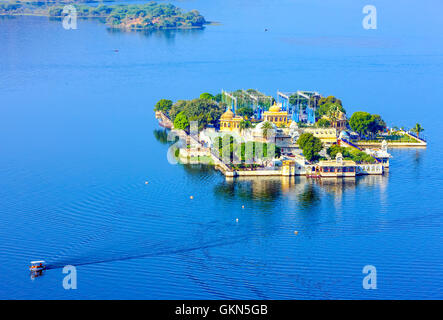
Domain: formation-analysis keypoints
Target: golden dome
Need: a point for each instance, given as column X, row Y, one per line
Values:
column 275, row 108
column 341, row 116
column 228, row 115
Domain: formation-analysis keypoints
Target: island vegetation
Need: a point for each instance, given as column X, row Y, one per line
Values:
column 147, row 16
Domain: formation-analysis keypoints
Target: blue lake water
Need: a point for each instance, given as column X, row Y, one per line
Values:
column 78, row 139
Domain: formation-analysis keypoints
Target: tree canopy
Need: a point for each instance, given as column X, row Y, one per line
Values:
column 202, row 110
column 163, row 105
column 364, row 123
column 206, row 96
column 310, row 145
column 360, row 122
column 181, row 122
column 377, row 124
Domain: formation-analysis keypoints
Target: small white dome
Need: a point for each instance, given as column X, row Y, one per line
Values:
column 344, row 135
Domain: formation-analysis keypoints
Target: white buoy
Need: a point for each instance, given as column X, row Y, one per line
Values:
column 146, row 182
column 236, row 220
column 296, row 232
column 242, row 206
column 191, row 197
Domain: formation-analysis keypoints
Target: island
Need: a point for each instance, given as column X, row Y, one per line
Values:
column 249, row 133
column 148, row 16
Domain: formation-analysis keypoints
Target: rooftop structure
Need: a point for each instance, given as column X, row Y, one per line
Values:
column 326, row 135
column 254, row 99
column 301, row 105
column 276, row 116
column 229, row 121
column 336, row 168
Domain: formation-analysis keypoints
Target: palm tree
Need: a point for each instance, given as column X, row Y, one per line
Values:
column 245, row 125
column 417, row 129
column 266, row 127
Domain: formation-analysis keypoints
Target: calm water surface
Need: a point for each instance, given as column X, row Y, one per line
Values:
column 78, row 139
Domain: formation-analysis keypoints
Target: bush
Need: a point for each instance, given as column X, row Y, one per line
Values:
column 350, row 154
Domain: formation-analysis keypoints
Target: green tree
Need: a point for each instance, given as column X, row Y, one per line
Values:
column 310, row 145
column 206, row 96
column 417, row 129
column 301, row 141
column 361, row 122
column 163, row 105
column 377, row 124
column 181, row 121
column 201, row 110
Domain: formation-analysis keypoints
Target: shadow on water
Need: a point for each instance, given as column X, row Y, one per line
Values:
column 161, row 135
column 418, row 157
column 309, row 192
column 264, row 189
column 167, row 34
column 309, row 198
column 8, row 17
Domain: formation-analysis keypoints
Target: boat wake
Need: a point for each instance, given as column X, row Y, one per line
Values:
column 151, row 251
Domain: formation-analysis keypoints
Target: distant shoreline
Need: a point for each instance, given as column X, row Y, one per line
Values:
column 207, row 23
